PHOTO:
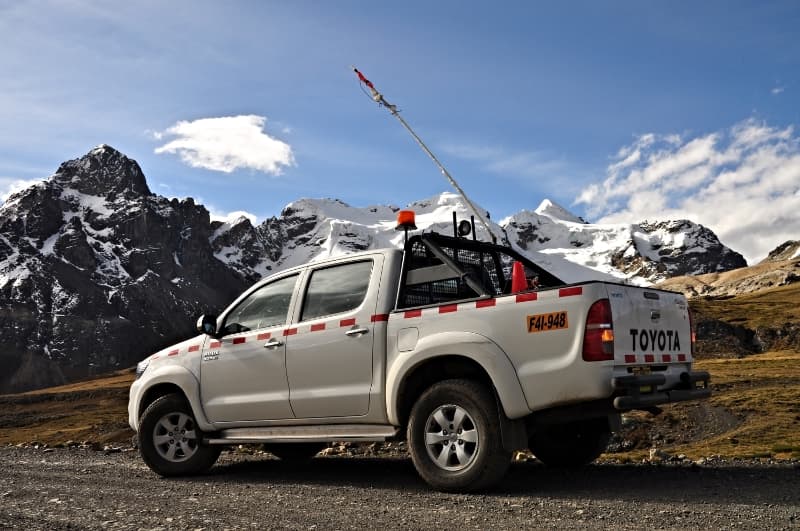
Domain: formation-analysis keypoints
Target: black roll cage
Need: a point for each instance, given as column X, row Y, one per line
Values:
column 434, row 243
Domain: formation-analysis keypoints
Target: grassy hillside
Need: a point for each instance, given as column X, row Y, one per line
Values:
column 770, row 308
column 754, row 412
column 93, row 411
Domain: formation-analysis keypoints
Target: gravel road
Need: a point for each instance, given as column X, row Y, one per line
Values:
column 85, row 489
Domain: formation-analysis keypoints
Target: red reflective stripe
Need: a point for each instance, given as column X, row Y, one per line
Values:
column 525, row 297
column 448, row 308
column 569, row 292
column 317, row 327
column 264, row 336
column 379, row 317
column 681, row 357
column 290, row 331
column 347, row 322
column 630, row 358
column 173, row 352
column 194, row 348
column 410, row 314
column 215, row 344
column 488, row 303
column 667, row 358
column 649, row 358
column 239, row 340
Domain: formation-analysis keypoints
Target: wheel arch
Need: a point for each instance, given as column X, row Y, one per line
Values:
column 453, row 355
column 178, row 380
column 155, row 392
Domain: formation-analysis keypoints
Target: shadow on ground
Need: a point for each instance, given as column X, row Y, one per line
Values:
column 731, row 483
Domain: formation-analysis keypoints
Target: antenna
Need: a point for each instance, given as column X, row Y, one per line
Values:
column 378, row 97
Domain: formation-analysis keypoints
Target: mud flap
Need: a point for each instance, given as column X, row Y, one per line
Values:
column 513, row 433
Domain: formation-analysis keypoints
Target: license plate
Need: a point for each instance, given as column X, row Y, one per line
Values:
column 544, row 322
column 642, row 371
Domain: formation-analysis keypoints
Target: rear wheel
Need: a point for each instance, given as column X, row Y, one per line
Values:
column 294, row 451
column 570, row 445
column 454, row 437
column 170, row 442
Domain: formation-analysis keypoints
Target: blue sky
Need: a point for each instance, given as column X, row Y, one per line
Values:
column 617, row 110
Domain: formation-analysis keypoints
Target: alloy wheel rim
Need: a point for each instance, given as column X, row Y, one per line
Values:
column 175, row 437
column 451, row 438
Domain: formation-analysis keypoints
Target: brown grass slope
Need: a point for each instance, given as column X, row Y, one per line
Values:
column 766, row 320
column 737, row 281
column 93, row 411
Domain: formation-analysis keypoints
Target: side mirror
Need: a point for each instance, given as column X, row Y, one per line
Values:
column 207, row 324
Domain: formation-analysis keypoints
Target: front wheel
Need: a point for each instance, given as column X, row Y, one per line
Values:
column 572, row 444
column 170, row 441
column 454, row 437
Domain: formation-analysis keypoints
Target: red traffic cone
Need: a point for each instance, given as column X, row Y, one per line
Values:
column 518, row 280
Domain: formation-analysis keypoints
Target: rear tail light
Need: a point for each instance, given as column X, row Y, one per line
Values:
column 598, row 337
column 692, row 332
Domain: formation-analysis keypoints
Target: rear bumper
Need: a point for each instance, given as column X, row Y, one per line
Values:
column 640, row 391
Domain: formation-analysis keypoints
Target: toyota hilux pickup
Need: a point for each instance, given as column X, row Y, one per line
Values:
column 467, row 350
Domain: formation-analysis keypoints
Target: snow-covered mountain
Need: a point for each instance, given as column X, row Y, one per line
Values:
column 641, row 253
column 553, row 237
column 96, row 271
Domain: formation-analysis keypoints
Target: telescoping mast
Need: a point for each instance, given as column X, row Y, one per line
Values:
column 378, row 98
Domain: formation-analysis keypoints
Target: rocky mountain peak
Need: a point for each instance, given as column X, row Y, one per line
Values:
column 555, row 211
column 786, row 251
column 103, row 171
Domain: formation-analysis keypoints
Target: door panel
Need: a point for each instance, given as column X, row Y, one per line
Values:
column 242, row 380
column 243, row 374
column 329, row 361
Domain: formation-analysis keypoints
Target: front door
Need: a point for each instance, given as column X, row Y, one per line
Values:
column 243, row 373
column 329, row 358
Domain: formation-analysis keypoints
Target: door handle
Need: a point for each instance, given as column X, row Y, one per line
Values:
column 357, row 332
column 273, row 343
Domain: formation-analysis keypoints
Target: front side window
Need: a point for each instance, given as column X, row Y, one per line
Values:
column 267, row 306
column 336, row 289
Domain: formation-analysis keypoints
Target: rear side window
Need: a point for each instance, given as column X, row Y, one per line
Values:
column 336, row 289
column 267, row 306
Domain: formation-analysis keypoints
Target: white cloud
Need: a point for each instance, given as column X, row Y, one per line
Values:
column 217, row 215
column 777, row 90
column 743, row 183
column 10, row 185
column 226, row 144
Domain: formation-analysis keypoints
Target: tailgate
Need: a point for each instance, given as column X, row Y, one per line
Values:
column 652, row 349
column 651, row 327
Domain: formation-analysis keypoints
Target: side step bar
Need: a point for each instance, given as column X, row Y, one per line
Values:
column 319, row 433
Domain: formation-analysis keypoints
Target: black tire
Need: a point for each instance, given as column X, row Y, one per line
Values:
column 570, row 445
column 297, row 452
column 471, row 456
column 170, row 442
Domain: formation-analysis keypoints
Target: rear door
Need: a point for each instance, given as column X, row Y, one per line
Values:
column 329, row 349
column 651, row 327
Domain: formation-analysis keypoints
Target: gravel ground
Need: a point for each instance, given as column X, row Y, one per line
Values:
column 85, row 489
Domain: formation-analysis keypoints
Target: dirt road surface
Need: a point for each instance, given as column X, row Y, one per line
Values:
column 84, row 489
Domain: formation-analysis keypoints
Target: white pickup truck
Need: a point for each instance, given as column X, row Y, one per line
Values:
column 429, row 344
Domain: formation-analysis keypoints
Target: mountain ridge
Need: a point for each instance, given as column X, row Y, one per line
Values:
column 97, row 271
